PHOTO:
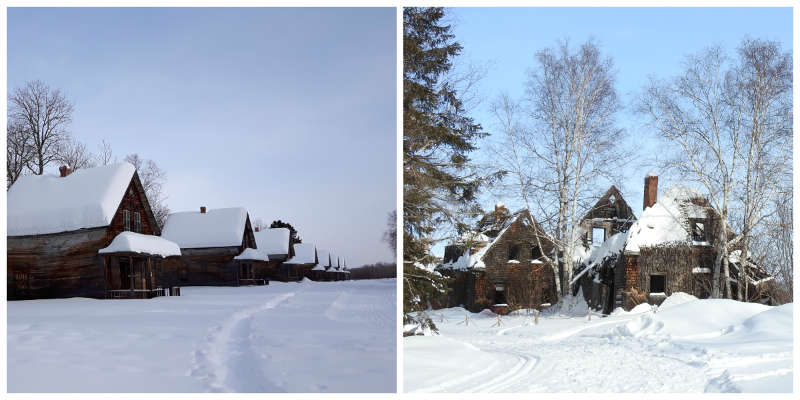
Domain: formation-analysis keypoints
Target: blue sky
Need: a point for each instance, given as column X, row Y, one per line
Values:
column 287, row 112
column 641, row 41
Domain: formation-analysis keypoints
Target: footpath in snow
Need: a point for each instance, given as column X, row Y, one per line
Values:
column 285, row 337
column 686, row 345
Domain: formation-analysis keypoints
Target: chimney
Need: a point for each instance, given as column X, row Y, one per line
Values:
column 499, row 207
column 258, row 229
column 202, row 209
column 650, row 190
column 64, row 170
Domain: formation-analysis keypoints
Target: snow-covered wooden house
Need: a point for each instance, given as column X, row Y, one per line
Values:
column 499, row 265
column 332, row 273
column 90, row 233
column 320, row 271
column 251, row 262
column 604, row 228
column 210, row 241
column 668, row 249
column 276, row 243
column 304, row 260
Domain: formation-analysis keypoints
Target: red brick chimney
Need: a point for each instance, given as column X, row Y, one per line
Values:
column 650, row 190
column 64, row 170
column 499, row 207
column 258, row 229
column 202, row 209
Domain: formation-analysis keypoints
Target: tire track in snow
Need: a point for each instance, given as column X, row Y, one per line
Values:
column 520, row 371
column 225, row 362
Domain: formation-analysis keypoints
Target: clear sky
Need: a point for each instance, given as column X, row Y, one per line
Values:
column 287, row 112
column 641, row 41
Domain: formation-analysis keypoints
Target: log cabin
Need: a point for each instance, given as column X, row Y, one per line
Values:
column 500, row 264
column 58, row 225
column 332, row 273
column 304, row 260
column 276, row 243
column 209, row 241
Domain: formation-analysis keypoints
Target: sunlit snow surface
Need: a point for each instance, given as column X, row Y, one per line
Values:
column 690, row 346
column 285, row 337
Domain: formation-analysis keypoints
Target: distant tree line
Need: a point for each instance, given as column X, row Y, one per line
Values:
column 378, row 270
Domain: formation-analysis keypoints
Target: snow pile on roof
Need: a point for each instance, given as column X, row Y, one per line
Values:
column 86, row 198
column 132, row 242
column 318, row 267
column 273, row 240
column 221, row 227
column 610, row 248
column 303, row 254
column 252, row 254
column 664, row 222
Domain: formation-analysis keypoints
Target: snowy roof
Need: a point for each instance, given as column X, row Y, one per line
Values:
column 252, row 254
column 334, row 261
column 221, row 227
column 273, row 240
column 468, row 260
column 612, row 246
column 86, row 198
column 666, row 221
column 303, row 254
column 132, row 242
column 318, row 267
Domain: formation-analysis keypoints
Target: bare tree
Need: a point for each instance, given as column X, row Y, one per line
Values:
column 74, row 154
column 697, row 112
column 153, row 179
column 104, row 155
column 390, row 235
column 762, row 85
column 18, row 152
column 568, row 141
column 44, row 114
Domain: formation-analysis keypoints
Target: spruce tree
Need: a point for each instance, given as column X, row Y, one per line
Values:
column 438, row 187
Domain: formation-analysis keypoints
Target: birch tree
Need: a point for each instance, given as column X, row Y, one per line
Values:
column 762, row 83
column 44, row 114
column 569, row 136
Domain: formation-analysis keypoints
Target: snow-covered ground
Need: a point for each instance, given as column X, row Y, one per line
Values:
column 285, row 337
column 687, row 346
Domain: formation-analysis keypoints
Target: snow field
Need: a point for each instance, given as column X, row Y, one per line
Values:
column 285, row 337
column 688, row 345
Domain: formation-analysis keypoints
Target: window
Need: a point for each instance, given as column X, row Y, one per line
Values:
column 698, row 230
column 500, row 294
column 137, row 222
column 536, row 252
column 513, row 252
column 598, row 236
column 658, row 283
column 126, row 219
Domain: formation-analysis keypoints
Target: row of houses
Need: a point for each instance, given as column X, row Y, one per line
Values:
column 93, row 233
column 618, row 260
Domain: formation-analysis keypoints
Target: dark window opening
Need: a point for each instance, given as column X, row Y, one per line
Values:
column 126, row 219
column 536, row 252
column 598, row 236
column 513, row 252
column 500, row 295
column 658, row 283
column 698, row 231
